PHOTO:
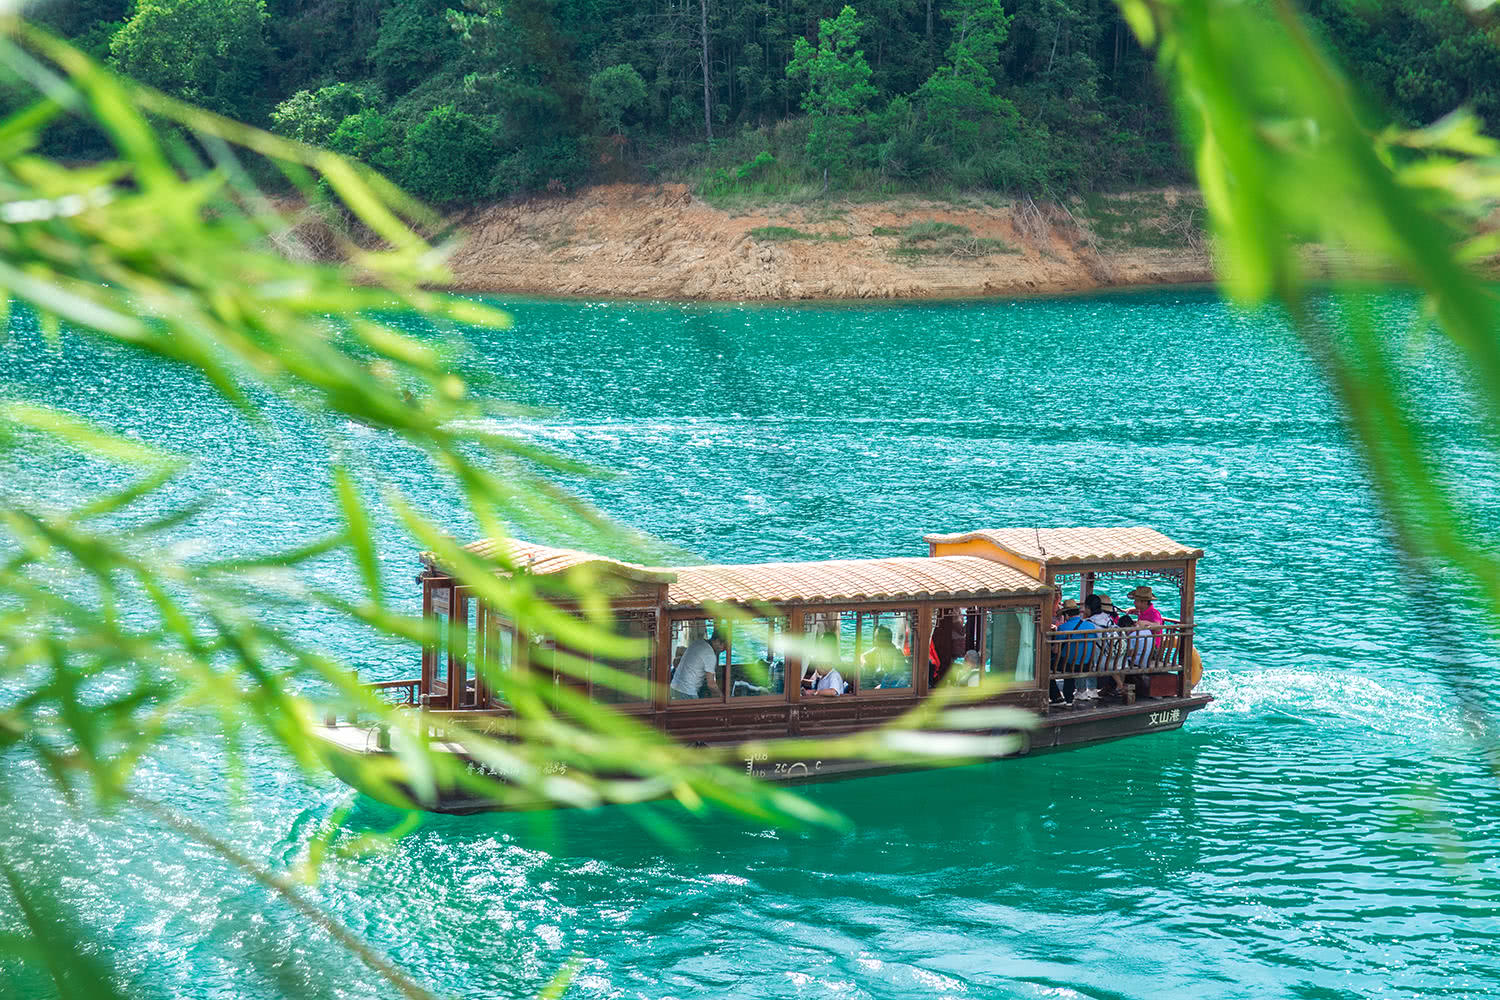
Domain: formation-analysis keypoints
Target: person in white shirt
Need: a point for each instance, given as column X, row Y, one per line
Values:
column 1088, row 687
column 1138, row 643
column 826, row 679
column 699, row 664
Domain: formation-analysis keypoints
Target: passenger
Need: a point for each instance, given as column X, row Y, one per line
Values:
column 948, row 641
column 1105, row 616
column 972, row 668
column 1063, row 612
column 1108, row 609
column 1146, row 613
column 1079, row 655
column 883, row 662
column 1137, row 642
column 1138, row 649
column 1071, row 656
column 826, row 679
column 699, row 665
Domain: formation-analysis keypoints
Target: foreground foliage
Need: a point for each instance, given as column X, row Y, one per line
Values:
column 1285, row 155
column 119, row 635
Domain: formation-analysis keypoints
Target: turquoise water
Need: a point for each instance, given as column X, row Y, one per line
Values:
column 1327, row 828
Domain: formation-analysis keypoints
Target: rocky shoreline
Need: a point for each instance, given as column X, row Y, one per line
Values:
column 662, row 242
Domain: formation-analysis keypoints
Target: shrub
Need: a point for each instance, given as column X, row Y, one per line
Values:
column 369, row 137
column 312, row 116
column 617, row 93
column 449, row 156
column 210, row 52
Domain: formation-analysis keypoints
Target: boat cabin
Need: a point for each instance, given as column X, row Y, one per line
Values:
column 872, row 636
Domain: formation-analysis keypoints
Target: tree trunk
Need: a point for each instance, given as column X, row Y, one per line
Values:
column 708, row 120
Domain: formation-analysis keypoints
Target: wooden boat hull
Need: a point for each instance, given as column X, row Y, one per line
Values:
column 349, row 749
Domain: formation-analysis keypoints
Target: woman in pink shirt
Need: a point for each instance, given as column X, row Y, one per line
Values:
column 1145, row 612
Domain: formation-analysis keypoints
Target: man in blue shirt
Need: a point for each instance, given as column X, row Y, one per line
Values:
column 1075, row 654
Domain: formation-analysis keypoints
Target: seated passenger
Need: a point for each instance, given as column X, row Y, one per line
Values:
column 1137, row 642
column 1077, row 654
column 1146, row 613
column 825, row 678
column 883, row 663
column 1138, row 653
column 966, row 672
column 699, row 665
column 1101, row 610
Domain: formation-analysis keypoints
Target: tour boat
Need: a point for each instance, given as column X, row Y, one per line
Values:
column 979, row 609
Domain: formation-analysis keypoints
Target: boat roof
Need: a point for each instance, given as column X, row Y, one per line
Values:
column 547, row 560
column 1055, row 546
column 863, row 580
column 826, row 581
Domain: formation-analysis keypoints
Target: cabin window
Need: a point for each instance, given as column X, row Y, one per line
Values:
column 437, row 621
column 1010, row 646
column 974, row 646
column 870, row 650
column 697, row 668
column 628, row 682
column 497, row 657
column 757, row 657
column 635, row 686
column 463, row 641
column 953, row 652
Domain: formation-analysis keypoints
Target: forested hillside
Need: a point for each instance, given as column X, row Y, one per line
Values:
column 768, row 96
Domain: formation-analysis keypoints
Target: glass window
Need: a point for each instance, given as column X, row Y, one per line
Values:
column 856, row 652
column 953, row 652
column 640, row 627
column 757, row 657
column 828, row 653
column 498, row 656
column 441, row 596
column 884, row 649
column 1010, row 646
column 697, row 660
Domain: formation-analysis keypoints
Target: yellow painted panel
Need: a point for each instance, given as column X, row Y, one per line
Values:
column 988, row 550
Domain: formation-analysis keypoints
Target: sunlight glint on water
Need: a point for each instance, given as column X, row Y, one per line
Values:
column 1326, row 829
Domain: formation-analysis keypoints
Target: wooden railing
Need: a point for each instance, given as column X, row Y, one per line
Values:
column 1114, row 651
column 406, row 690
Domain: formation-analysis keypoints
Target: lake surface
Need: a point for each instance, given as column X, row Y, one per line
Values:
column 1327, row 828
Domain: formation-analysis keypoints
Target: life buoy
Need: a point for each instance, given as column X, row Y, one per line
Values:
column 1195, row 670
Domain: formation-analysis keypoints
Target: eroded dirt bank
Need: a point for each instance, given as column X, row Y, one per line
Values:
column 634, row 241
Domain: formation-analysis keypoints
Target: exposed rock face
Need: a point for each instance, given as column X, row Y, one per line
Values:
column 633, row 241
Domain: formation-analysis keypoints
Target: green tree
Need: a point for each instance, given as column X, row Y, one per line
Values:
column 617, row 93
column 414, row 41
column 369, row 136
column 312, row 116
column 959, row 100
column 838, row 90
column 450, row 155
column 210, row 52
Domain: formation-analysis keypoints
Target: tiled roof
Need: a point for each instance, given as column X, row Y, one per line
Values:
column 1077, row 545
column 857, row 580
column 544, row 560
column 854, row 580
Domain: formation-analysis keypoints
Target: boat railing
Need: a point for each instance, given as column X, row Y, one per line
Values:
column 1111, row 651
column 404, row 692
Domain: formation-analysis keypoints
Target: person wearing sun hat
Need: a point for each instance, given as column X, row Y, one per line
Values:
column 1108, row 614
column 1145, row 611
column 1067, row 618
